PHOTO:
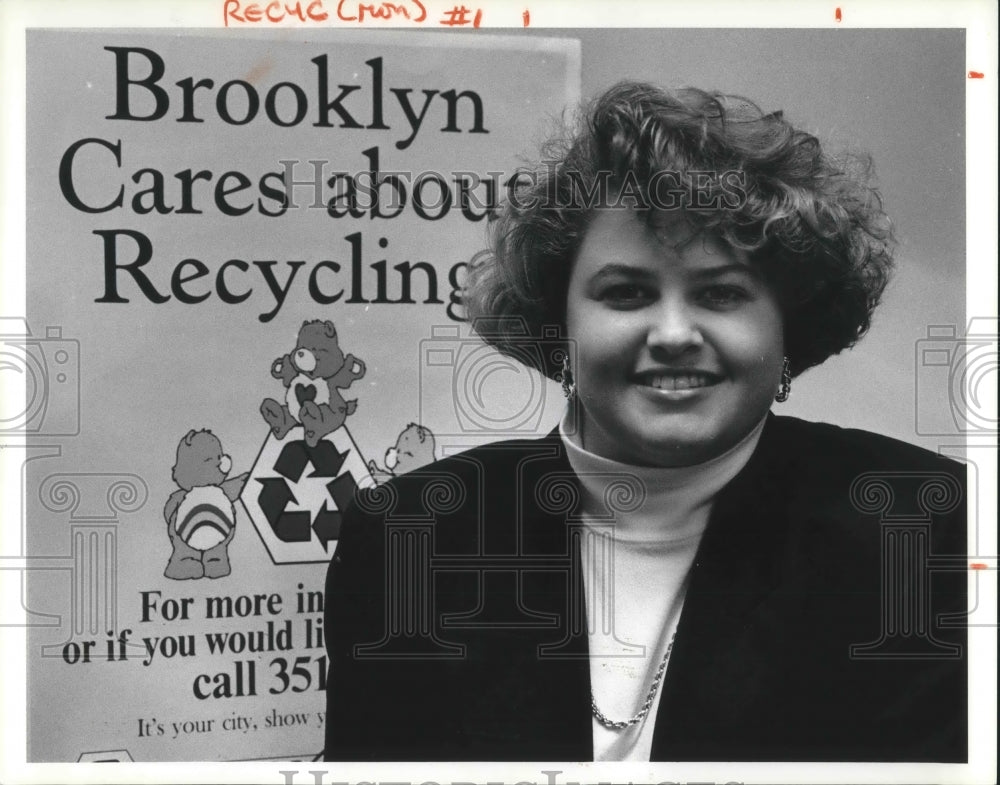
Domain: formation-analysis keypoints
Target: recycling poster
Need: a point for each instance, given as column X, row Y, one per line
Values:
column 245, row 255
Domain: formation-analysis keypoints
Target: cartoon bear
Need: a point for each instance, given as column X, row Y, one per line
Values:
column 312, row 375
column 201, row 520
column 414, row 448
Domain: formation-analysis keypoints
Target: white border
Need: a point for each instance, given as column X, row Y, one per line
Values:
column 980, row 22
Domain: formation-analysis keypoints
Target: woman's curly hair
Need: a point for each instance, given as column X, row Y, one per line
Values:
column 812, row 225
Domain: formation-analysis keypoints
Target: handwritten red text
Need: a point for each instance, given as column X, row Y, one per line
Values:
column 274, row 12
column 459, row 17
column 413, row 10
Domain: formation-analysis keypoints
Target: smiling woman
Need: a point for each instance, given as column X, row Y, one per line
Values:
column 678, row 342
column 674, row 573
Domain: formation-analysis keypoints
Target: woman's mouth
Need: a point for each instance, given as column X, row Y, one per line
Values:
column 677, row 380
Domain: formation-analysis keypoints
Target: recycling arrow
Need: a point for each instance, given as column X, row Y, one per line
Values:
column 295, row 456
column 327, row 525
column 273, row 499
column 342, row 490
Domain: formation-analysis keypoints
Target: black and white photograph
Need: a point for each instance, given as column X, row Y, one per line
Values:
column 493, row 392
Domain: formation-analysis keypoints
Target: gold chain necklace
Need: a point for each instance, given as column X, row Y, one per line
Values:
column 622, row 724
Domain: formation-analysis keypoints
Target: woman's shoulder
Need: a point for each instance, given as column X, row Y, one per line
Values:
column 837, row 486
column 847, row 474
column 461, row 480
column 491, row 456
column 852, row 448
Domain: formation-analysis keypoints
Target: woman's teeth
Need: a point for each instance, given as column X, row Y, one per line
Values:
column 681, row 382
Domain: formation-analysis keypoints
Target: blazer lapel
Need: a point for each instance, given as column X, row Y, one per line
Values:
column 563, row 652
column 737, row 569
column 543, row 668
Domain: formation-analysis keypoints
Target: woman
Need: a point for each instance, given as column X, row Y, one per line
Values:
column 674, row 573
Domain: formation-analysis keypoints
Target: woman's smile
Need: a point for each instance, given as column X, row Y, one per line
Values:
column 676, row 380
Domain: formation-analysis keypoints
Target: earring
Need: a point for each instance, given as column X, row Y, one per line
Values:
column 786, row 382
column 566, row 377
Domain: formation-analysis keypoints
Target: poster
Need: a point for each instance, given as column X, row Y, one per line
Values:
column 244, row 247
column 220, row 280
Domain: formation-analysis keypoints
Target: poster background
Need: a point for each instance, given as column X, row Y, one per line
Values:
column 150, row 372
column 815, row 72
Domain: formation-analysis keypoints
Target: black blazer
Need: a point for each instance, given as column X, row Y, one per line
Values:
column 821, row 622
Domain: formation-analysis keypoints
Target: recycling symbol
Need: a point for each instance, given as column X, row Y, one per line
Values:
column 296, row 494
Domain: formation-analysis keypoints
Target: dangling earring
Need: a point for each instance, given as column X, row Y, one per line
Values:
column 786, row 382
column 568, row 383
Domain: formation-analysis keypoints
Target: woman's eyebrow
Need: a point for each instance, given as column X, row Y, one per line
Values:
column 612, row 269
column 718, row 271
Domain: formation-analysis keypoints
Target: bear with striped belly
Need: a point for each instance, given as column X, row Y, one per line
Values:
column 201, row 519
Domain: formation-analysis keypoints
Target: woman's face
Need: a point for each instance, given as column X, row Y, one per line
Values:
column 678, row 342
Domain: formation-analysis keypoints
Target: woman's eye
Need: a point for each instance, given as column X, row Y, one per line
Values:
column 724, row 295
column 624, row 295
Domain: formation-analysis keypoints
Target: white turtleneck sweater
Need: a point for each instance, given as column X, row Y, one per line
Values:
column 635, row 566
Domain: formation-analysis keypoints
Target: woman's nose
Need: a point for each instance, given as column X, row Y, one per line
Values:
column 673, row 327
